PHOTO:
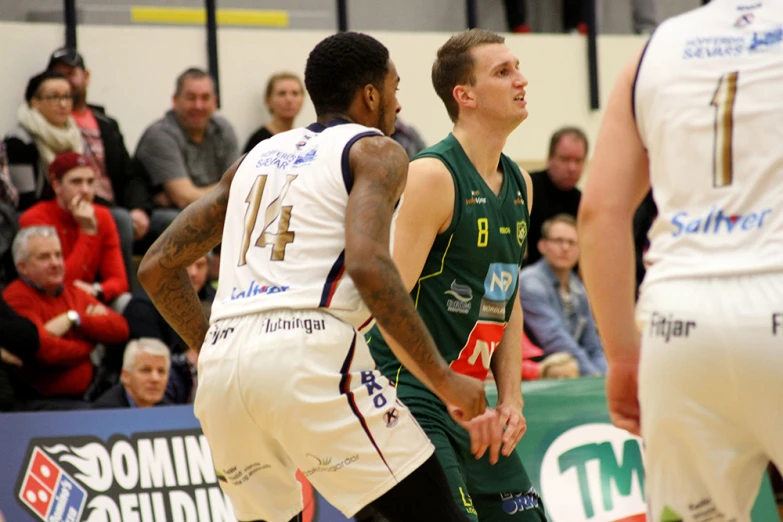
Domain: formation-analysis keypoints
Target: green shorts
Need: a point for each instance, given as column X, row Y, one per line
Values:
column 487, row 493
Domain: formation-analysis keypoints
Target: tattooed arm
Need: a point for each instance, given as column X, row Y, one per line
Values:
column 380, row 168
column 163, row 271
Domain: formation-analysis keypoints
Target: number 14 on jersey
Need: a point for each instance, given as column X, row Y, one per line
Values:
column 275, row 211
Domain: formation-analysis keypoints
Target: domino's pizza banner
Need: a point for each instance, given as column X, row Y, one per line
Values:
column 154, row 465
column 151, row 465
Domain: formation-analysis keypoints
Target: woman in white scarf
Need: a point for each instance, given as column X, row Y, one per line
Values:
column 46, row 129
column 47, row 117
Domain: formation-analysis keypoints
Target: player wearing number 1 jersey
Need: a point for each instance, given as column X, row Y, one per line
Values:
column 698, row 119
column 459, row 240
column 286, row 381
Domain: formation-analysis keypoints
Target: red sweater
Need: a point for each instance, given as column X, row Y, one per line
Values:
column 85, row 255
column 62, row 365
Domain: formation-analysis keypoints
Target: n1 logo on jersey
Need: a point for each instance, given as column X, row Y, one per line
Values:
column 474, row 358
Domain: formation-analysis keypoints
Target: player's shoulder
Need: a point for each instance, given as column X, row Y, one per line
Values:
column 429, row 168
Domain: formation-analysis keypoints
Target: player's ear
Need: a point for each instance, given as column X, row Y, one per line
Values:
column 371, row 96
column 464, row 96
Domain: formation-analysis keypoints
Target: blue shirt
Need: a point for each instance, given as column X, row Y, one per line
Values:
column 553, row 328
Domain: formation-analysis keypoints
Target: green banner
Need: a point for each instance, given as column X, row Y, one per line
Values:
column 585, row 469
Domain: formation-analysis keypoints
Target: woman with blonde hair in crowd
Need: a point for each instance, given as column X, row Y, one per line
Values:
column 284, row 97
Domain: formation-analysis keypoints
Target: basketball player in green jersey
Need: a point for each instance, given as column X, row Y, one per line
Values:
column 458, row 243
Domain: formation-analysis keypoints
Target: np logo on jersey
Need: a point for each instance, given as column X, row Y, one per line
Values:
column 49, row 492
column 501, row 281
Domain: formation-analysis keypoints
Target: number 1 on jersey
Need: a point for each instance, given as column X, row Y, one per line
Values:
column 723, row 101
column 274, row 210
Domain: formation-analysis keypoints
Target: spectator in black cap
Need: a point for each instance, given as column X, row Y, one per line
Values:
column 45, row 129
column 116, row 185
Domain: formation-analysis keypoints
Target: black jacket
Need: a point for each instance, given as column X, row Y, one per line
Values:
column 130, row 189
column 116, row 397
column 19, row 336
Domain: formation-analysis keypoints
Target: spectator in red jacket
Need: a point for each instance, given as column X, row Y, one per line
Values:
column 70, row 321
column 88, row 234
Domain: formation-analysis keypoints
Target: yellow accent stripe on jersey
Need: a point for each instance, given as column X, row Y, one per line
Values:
column 197, row 16
column 397, row 379
column 439, row 272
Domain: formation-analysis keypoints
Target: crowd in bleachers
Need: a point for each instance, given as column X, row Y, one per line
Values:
column 78, row 208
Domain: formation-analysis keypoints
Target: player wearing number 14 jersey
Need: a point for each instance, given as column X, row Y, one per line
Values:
column 699, row 118
column 286, row 380
column 459, row 241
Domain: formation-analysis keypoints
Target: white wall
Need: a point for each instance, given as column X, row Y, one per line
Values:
column 133, row 71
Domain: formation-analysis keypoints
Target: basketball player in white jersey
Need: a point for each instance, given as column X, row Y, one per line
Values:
column 699, row 118
column 286, row 380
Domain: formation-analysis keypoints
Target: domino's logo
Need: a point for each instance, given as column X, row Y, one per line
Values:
column 49, row 492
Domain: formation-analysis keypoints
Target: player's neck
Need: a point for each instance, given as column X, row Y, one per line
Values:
column 328, row 117
column 482, row 144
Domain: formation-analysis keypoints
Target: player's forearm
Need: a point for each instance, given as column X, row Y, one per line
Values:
column 607, row 263
column 506, row 362
column 381, row 288
column 172, row 293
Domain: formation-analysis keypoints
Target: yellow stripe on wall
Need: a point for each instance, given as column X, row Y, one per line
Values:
column 195, row 16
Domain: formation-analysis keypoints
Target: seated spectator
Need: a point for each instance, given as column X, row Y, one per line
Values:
column 116, row 186
column 557, row 314
column 531, row 368
column 18, row 344
column 145, row 321
column 70, row 322
column 145, row 372
column 284, row 97
column 555, row 188
column 88, row 235
column 45, row 130
column 9, row 198
column 184, row 154
column 559, row 366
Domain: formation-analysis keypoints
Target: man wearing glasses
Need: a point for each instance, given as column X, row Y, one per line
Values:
column 554, row 301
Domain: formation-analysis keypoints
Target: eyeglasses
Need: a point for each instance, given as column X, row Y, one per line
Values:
column 57, row 98
column 561, row 241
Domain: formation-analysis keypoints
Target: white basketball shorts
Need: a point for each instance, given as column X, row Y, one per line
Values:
column 292, row 389
column 711, row 393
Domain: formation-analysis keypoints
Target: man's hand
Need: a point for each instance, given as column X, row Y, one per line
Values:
column 88, row 288
column 622, row 397
column 96, row 309
column 84, row 214
column 59, row 325
column 9, row 358
column 485, row 431
column 514, row 425
column 141, row 223
column 464, row 396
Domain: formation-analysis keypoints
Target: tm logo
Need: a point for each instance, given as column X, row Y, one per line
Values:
column 599, row 469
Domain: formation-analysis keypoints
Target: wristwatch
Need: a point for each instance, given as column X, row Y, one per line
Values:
column 98, row 291
column 74, row 317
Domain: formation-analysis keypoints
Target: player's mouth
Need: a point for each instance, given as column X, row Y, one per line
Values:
column 520, row 99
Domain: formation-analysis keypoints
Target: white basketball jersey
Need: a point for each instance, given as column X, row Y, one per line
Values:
column 284, row 235
column 708, row 101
